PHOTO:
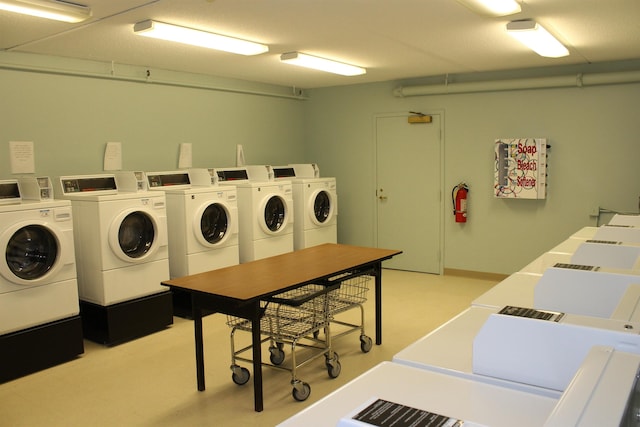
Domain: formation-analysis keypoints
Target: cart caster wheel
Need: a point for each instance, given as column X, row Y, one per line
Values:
column 276, row 356
column 334, row 368
column 240, row 375
column 365, row 343
column 301, row 391
column 336, row 357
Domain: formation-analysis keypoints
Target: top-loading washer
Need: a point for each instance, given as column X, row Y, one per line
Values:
column 38, row 288
column 265, row 211
column 202, row 222
column 121, row 255
column 315, row 202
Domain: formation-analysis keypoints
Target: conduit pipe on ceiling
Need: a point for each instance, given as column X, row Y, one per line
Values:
column 578, row 80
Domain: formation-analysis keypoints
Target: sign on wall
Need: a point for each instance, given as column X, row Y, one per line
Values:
column 520, row 168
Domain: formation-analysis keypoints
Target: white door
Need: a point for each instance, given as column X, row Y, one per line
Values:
column 408, row 191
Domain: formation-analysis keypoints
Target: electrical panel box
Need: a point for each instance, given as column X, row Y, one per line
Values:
column 520, row 168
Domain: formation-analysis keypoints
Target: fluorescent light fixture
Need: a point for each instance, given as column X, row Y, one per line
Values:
column 175, row 33
column 322, row 64
column 51, row 9
column 536, row 38
column 492, row 7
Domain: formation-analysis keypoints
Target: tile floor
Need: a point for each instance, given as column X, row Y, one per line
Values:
column 151, row 381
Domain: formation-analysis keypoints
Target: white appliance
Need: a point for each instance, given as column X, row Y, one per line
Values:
column 121, row 239
column 448, row 349
column 122, row 257
column 618, row 233
column 625, row 219
column 544, row 348
column 473, row 402
column 608, row 254
column 529, row 354
column 598, row 292
column 546, row 260
column 38, row 272
column 315, row 202
column 39, row 322
column 606, row 293
column 265, row 211
column 604, row 393
column 202, row 222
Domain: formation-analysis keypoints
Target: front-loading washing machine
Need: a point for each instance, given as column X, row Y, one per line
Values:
column 202, row 222
column 39, row 321
column 265, row 211
column 315, row 204
column 122, row 258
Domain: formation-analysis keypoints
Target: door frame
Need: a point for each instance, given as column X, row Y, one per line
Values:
column 374, row 186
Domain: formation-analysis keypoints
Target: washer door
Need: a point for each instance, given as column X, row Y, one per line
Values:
column 322, row 207
column 274, row 214
column 32, row 253
column 214, row 224
column 133, row 236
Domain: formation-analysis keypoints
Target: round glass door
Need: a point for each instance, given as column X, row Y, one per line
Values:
column 322, row 207
column 214, row 223
column 136, row 234
column 274, row 213
column 31, row 252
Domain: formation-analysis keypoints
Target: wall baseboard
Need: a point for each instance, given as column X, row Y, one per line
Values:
column 475, row 274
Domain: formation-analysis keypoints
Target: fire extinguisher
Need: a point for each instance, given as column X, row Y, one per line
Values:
column 459, row 199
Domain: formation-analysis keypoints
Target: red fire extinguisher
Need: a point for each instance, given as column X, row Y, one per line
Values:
column 459, row 199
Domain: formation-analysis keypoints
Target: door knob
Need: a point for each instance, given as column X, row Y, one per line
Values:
column 382, row 197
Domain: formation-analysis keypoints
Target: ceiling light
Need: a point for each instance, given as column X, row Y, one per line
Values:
column 175, row 33
column 322, row 64
column 51, row 9
column 492, row 7
column 536, row 38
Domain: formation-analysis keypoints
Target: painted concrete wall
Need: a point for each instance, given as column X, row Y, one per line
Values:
column 593, row 161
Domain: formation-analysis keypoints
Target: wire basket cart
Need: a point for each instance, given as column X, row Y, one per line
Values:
column 296, row 318
column 293, row 317
column 352, row 294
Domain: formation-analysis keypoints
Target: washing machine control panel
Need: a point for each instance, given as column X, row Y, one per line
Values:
column 73, row 185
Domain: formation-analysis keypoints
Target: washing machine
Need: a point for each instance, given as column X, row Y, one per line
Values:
column 265, row 211
column 122, row 257
column 315, row 205
column 202, row 223
column 38, row 288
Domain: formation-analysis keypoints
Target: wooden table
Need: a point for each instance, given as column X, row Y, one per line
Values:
column 238, row 290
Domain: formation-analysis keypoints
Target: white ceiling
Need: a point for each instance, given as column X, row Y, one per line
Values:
column 393, row 39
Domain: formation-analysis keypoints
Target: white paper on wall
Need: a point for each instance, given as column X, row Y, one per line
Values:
column 22, row 157
column 520, row 168
column 185, row 159
column 113, row 156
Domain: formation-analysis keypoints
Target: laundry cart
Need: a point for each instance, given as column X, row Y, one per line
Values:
column 297, row 318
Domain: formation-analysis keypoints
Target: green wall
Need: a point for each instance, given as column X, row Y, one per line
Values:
column 593, row 161
column 593, row 132
column 70, row 119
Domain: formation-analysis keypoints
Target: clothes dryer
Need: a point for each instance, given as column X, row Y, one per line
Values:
column 202, row 223
column 122, row 257
column 315, row 203
column 39, row 312
column 265, row 211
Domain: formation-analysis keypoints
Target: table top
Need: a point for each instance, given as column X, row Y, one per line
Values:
column 268, row 276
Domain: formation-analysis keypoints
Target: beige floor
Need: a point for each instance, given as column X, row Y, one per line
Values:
column 151, row 381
